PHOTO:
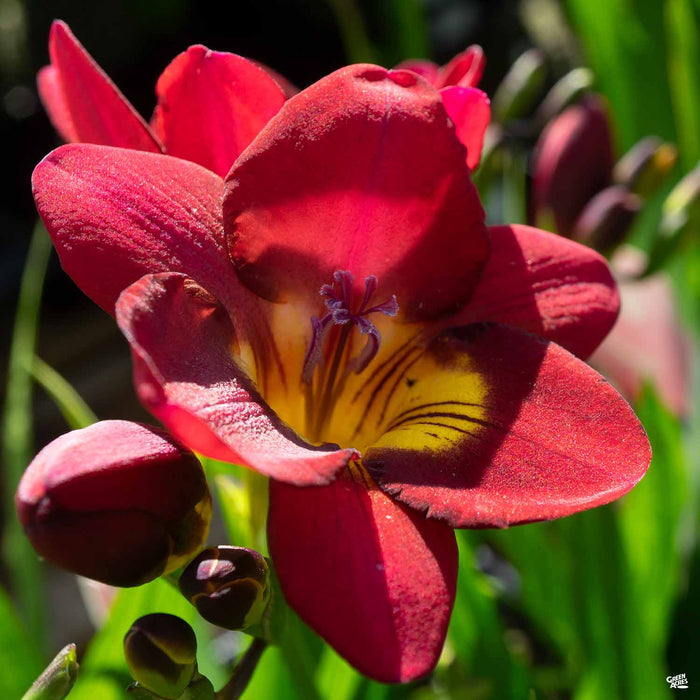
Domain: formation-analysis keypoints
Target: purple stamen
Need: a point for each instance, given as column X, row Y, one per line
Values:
column 314, row 353
column 370, row 289
column 338, row 303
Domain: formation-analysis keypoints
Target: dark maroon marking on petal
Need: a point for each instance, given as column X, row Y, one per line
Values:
column 555, row 438
column 377, row 389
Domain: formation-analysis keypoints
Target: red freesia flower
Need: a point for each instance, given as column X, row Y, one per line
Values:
column 210, row 104
column 467, row 107
column 347, row 325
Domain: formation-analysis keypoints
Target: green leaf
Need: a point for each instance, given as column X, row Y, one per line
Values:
column 288, row 670
column 19, row 653
column 17, row 436
column 103, row 673
column 684, row 76
column 403, row 30
column 630, row 65
column 541, row 555
column 477, row 634
column 235, row 507
column 650, row 519
column 351, row 25
column 76, row 412
column 335, row 677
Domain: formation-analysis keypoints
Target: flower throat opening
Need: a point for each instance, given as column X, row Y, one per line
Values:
column 326, row 364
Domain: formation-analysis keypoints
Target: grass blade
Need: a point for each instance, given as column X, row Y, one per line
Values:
column 17, row 435
column 72, row 406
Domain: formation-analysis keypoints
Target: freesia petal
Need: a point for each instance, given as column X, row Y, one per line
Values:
column 375, row 579
column 426, row 69
column 288, row 88
column 211, row 105
column 546, row 285
column 116, row 214
column 359, row 172
column 470, row 110
column 48, row 82
column 464, row 69
column 496, row 427
column 83, row 103
column 183, row 342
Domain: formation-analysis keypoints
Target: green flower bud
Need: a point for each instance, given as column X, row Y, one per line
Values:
column 229, row 586
column 57, row 680
column 161, row 653
column 646, row 165
column 520, row 87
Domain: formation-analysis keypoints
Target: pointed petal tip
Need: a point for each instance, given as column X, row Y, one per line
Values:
column 377, row 581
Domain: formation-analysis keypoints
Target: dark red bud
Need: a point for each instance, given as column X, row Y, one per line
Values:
column 607, row 218
column 573, row 161
column 118, row 502
column 229, row 586
column 161, row 653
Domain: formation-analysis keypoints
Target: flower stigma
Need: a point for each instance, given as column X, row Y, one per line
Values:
column 329, row 345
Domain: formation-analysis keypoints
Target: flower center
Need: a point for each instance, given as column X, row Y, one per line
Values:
column 327, row 362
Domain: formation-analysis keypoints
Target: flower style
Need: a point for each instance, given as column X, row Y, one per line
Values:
column 337, row 316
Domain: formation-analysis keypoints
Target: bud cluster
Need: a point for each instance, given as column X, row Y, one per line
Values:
column 577, row 188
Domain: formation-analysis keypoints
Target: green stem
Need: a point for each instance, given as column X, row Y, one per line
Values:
column 356, row 42
column 243, row 671
column 17, row 433
column 74, row 409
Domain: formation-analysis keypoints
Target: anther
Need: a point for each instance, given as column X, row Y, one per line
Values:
column 338, row 297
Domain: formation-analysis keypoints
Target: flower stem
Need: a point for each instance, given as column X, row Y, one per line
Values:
column 17, row 434
column 243, row 671
column 356, row 41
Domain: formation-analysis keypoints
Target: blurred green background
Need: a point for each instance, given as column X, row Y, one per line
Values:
column 605, row 604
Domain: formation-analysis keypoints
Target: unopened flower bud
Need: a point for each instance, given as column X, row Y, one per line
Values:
column 564, row 92
column 646, row 165
column 520, row 87
column 607, row 218
column 229, row 586
column 57, row 679
column 573, row 161
column 118, row 502
column 161, row 653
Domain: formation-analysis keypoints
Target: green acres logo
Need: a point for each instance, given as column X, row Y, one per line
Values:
column 679, row 681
